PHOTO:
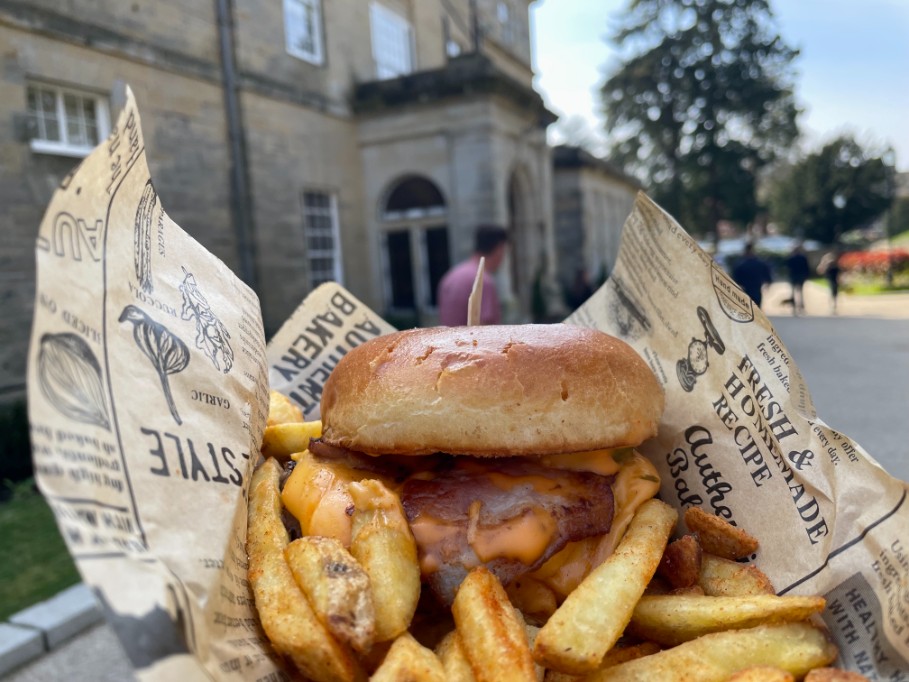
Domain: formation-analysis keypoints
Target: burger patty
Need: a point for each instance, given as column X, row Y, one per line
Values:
column 510, row 514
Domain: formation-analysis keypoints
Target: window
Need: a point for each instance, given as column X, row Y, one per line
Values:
column 392, row 42
column 416, row 254
column 303, row 30
column 323, row 245
column 503, row 12
column 65, row 122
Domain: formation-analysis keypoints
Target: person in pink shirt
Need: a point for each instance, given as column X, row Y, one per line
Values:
column 490, row 242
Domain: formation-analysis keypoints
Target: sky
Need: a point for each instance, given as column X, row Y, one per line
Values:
column 852, row 75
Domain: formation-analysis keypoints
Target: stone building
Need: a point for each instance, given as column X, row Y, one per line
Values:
column 298, row 140
column 592, row 200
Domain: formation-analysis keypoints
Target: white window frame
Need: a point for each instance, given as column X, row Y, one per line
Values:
column 317, row 54
column 380, row 15
column 334, row 253
column 63, row 147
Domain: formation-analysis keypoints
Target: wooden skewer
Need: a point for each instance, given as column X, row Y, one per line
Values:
column 475, row 302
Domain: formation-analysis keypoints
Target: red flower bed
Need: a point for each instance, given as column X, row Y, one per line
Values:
column 875, row 262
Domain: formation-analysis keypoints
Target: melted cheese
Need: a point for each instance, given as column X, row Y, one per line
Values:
column 431, row 534
column 316, row 493
column 604, row 462
column 637, row 481
column 524, row 537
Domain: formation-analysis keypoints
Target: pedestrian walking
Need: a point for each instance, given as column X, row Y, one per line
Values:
column 490, row 242
column 797, row 264
column 752, row 274
column 829, row 267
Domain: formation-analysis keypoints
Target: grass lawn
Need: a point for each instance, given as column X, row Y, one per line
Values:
column 868, row 287
column 34, row 562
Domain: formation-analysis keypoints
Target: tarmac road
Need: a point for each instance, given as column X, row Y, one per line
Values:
column 856, row 366
column 857, row 371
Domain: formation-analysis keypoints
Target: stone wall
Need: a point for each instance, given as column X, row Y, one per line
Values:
column 186, row 144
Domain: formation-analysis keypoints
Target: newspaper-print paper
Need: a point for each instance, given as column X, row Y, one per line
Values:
column 148, row 383
column 740, row 438
column 147, row 396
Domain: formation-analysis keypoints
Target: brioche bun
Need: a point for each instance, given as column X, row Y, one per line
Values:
column 491, row 391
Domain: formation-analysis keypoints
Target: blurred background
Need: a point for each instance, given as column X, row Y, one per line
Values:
column 303, row 141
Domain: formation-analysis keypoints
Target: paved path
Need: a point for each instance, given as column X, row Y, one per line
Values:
column 817, row 303
column 856, row 365
column 857, row 369
column 93, row 656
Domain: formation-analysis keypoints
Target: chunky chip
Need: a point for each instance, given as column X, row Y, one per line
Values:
column 718, row 536
column 794, row 647
column 673, row 619
column 593, row 617
column 382, row 542
column 409, row 661
column 337, row 588
column 724, row 578
column 281, row 410
column 492, row 633
column 762, row 673
column 283, row 440
column 454, row 659
column 681, row 562
column 286, row 616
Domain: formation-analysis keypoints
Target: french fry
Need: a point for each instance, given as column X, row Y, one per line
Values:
column 724, row 578
column 337, row 588
column 454, row 659
column 671, row 619
column 491, row 631
column 285, row 613
column 409, row 661
column 593, row 617
column 834, row 675
column 623, row 654
column 281, row 410
column 718, row 536
column 382, row 542
column 532, row 631
column 694, row 590
column 283, row 440
column 794, row 647
column 616, row 655
column 762, row 673
column 556, row 676
column 532, row 598
column 681, row 562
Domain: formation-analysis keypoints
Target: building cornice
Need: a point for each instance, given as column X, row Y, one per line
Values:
column 465, row 76
column 571, row 157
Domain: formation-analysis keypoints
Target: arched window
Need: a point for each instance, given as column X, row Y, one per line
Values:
column 414, row 197
column 415, row 236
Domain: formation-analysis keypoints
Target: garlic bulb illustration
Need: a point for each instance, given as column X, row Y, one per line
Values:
column 70, row 378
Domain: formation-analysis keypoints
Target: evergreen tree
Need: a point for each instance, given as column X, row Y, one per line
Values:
column 701, row 103
column 836, row 189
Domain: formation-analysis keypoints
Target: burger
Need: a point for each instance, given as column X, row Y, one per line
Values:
column 510, row 447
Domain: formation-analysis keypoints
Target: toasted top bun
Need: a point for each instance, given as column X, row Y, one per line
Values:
column 491, row 391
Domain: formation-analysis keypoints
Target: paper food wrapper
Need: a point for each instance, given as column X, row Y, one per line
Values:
column 147, row 390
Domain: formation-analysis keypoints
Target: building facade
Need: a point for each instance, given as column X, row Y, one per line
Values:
column 592, row 200
column 298, row 140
